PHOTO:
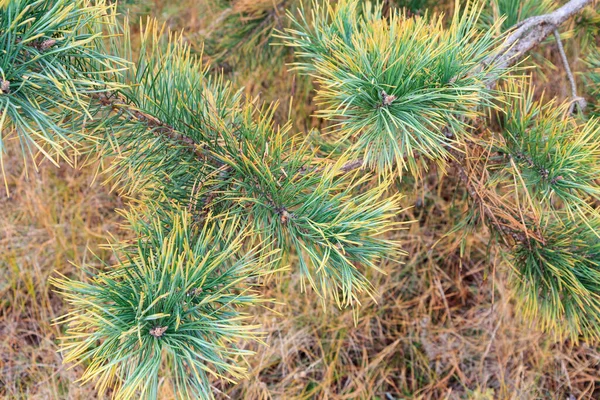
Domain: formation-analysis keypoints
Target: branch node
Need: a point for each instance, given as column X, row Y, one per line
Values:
column 4, row 86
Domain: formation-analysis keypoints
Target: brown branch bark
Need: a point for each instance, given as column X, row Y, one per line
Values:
column 116, row 102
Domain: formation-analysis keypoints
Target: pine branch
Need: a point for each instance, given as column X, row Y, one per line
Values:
column 388, row 103
column 524, row 37
column 530, row 33
column 530, row 182
column 118, row 103
column 53, row 61
column 592, row 79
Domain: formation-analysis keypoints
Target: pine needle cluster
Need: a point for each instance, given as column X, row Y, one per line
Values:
column 52, row 63
column 174, row 299
column 396, row 108
column 557, row 281
column 232, row 196
column 555, row 155
column 592, row 79
column 227, row 155
column 549, row 160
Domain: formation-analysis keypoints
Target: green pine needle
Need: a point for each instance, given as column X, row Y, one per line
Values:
column 170, row 308
column 52, row 62
column 592, row 79
column 512, row 12
column 392, row 84
column 556, row 156
column 558, row 282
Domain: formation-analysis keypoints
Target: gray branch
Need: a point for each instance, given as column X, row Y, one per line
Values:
column 576, row 100
column 529, row 33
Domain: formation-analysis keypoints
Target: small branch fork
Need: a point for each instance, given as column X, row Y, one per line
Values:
column 531, row 32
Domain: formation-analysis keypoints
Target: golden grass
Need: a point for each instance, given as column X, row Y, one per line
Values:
column 442, row 326
column 52, row 217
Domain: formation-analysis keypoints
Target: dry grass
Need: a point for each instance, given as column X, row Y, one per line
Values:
column 442, row 327
column 52, row 217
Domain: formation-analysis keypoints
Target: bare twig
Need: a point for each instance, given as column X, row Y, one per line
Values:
column 576, row 100
column 499, row 215
column 352, row 165
column 531, row 32
column 563, row 56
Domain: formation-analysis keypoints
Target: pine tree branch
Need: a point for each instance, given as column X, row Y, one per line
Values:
column 526, row 35
column 531, row 32
column 116, row 102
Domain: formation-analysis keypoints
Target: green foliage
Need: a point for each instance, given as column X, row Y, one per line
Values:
column 393, row 104
column 555, row 155
column 413, row 6
column 172, row 303
column 320, row 212
column 592, row 79
column 241, row 34
column 558, row 281
column 544, row 162
column 229, row 195
column 548, row 163
column 244, row 164
column 587, row 28
column 52, row 63
column 157, row 108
